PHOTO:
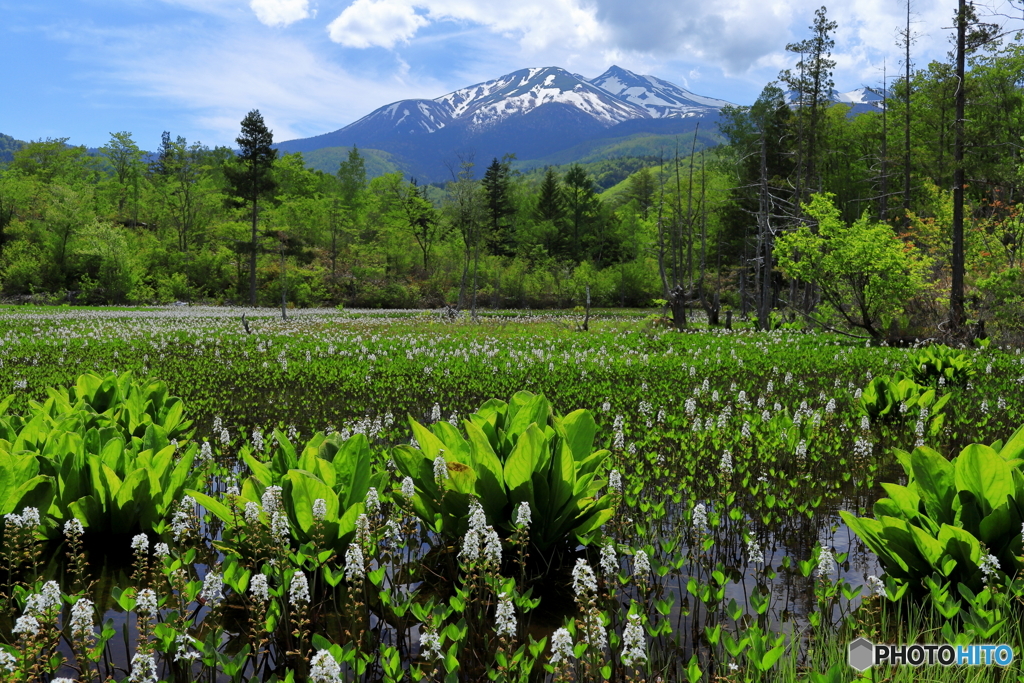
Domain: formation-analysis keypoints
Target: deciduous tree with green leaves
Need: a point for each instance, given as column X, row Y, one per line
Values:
column 126, row 159
column 863, row 271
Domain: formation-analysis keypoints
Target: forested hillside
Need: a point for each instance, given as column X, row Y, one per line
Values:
column 806, row 214
column 8, row 146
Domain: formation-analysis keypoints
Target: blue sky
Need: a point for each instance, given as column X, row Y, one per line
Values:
column 85, row 68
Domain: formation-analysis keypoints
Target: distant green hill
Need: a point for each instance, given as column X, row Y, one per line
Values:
column 605, row 173
column 635, row 145
column 378, row 163
column 8, row 146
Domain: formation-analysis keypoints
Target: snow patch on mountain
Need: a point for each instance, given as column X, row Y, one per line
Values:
column 522, row 91
column 659, row 98
column 409, row 116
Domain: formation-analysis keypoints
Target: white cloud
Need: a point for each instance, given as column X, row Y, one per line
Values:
column 375, row 23
column 280, row 12
column 742, row 39
column 208, row 81
column 534, row 24
column 204, row 63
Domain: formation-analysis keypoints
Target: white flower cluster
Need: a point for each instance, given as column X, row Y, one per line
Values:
column 251, row 512
column 876, row 586
column 523, row 516
column 505, row 617
column 184, row 642
column 354, row 563
column 257, row 439
column 561, row 646
column 271, row 499
column 633, row 642
column 725, row 463
column 609, row 559
column 205, row 452
column 641, row 566
column 82, row 619
column 26, row 625
column 73, row 528
column 393, row 537
column 480, row 539
column 145, row 602
column 140, row 544
column 28, row 519
column 826, row 564
column 46, row 599
column 615, row 481
column 324, row 669
column 594, row 631
column 754, row 554
column 372, row 501
column 362, row 529
column 319, row 509
column 298, row 590
column 213, row 586
column 430, row 645
column 258, row 588
column 408, row 488
column 989, row 567
column 700, row 518
column 801, row 449
column 584, row 583
column 143, row 669
column 279, row 527
column 440, row 470
column 183, row 520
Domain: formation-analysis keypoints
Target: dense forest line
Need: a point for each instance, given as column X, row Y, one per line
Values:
column 805, row 212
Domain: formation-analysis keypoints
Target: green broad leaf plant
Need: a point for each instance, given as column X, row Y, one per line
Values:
column 328, row 467
column 898, row 399
column 100, row 451
column 931, row 363
column 507, row 454
column 950, row 515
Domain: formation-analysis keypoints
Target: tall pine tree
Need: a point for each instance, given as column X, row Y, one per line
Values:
column 497, row 186
column 249, row 177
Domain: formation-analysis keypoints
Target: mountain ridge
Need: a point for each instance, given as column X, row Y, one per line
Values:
column 532, row 112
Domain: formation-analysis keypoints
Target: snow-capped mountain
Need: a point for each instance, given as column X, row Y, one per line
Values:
column 660, row 98
column 861, row 100
column 522, row 91
column 410, row 117
column 531, row 112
